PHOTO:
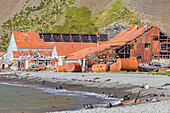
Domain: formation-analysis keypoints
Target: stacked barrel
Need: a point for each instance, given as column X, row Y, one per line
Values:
column 61, row 68
column 100, row 68
column 127, row 64
column 70, row 67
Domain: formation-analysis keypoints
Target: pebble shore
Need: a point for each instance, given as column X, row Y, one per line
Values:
column 158, row 84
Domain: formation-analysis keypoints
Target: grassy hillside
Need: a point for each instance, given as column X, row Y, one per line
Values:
column 64, row 17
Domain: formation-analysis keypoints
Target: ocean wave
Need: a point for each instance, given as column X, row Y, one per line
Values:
column 67, row 92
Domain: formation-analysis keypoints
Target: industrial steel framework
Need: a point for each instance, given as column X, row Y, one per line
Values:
column 110, row 54
column 84, row 38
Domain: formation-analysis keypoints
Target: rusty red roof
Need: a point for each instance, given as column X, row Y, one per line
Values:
column 31, row 40
column 118, row 40
column 82, row 53
column 100, row 42
column 131, row 34
column 45, row 53
column 42, row 66
column 10, row 63
column 65, row 48
column 17, row 54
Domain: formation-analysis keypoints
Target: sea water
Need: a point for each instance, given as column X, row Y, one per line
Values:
column 22, row 98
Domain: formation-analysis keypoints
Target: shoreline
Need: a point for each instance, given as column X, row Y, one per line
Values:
column 94, row 83
column 67, row 85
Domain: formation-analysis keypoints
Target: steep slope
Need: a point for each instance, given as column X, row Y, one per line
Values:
column 95, row 5
column 10, row 7
column 155, row 11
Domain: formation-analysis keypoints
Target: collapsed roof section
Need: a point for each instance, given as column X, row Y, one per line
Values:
column 17, row 54
column 84, row 38
column 32, row 40
column 127, row 36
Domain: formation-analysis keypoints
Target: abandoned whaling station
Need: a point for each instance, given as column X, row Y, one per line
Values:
column 130, row 50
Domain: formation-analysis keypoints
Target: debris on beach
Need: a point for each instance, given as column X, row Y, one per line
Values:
column 146, row 86
column 109, row 105
column 96, row 78
column 43, row 82
column 126, row 97
column 111, row 95
column 162, row 95
column 107, row 80
column 60, row 87
column 88, row 106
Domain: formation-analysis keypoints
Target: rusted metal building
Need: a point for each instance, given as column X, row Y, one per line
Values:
column 145, row 42
column 31, row 41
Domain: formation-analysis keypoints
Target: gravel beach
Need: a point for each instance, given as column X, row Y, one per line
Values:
column 155, row 99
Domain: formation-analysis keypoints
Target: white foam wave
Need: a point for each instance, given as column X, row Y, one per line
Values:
column 65, row 92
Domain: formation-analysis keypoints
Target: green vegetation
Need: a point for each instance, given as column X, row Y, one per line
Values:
column 60, row 16
column 4, row 41
column 123, row 72
column 162, row 72
column 116, row 12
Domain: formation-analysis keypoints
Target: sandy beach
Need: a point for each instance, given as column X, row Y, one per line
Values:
column 154, row 99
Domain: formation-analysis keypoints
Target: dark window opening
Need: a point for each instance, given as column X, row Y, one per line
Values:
column 57, row 38
column 47, row 37
column 40, row 35
column 3, row 66
column 138, row 56
column 154, row 56
column 103, row 37
column 85, row 38
column 147, row 45
column 130, row 46
column 93, row 38
column 163, row 46
column 76, row 38
column 66, row 38
column 155, row 37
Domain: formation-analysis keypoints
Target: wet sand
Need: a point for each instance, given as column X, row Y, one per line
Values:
column 70, row 84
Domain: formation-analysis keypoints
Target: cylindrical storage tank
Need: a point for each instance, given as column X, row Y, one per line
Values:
column 128, row 64
column 73, row 67
column 61, row 68
column 115, row 66
column 100, row 67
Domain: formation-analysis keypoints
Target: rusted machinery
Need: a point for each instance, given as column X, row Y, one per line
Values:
column 100, row 67
column 61, row 68
column 128, row 64
column 73, row 67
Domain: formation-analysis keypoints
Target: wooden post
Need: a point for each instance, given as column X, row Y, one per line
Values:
column 71, row 39
column 90, row 38
column 80, row 38
column 42, row 36
column 52, row 37
column 124, row 51
column 61, row 35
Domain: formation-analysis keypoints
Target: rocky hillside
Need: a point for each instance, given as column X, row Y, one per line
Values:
column 78, row 16
column 155, row 11
column 8, row 8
